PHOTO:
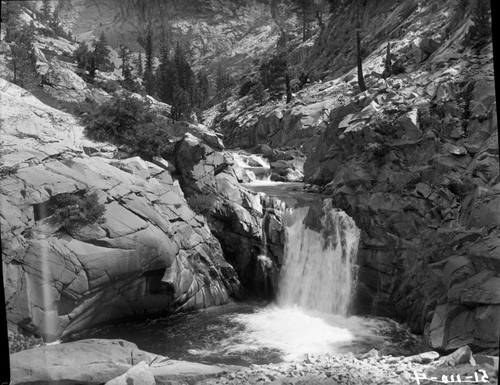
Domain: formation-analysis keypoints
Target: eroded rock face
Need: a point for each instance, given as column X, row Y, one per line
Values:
column 422, row 184
column 151, row 253
column 234, row 213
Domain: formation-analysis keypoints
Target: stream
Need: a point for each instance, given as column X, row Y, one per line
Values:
column 310, row 314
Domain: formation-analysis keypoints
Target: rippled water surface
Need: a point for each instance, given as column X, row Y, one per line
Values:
column 252, row 333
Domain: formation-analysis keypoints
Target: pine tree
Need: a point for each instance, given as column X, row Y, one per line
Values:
column 139, row 66
column 223, row 81
column 101, row 53
column 202, row 90
column 149, row 78
column 274, row 76
column 185, row 75
column 11, row 10
column 88, row 62
column 303, row 8
column 23, row 60
column 479, row 32
column 181, row 105
column 126, row 67
column 359, row 51
column 166, row 77
column 46, row 10
column 82, row 56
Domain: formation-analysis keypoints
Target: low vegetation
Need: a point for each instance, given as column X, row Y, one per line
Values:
column 202, row 203
column 127, row 120
column 75, row 211
column 19, row 342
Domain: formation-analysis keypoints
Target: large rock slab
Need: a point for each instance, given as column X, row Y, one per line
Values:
column 99, row 361
column 82, row 362
column 150, row 252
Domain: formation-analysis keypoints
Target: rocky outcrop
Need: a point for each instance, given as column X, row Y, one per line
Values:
column 150, row 253
column 276, row 125
column 213, row 32
column 96, row 361
column 210, row 180
column 414, row 160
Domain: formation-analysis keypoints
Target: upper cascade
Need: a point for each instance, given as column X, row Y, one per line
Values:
column 320, row 258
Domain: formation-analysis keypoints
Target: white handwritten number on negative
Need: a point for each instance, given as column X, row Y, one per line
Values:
column 454, row 378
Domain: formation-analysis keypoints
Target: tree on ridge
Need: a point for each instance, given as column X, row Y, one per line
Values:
column 359, row 51
column 149, row 78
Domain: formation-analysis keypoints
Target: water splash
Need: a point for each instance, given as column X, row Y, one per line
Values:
column 250, row 160
column 319, row 264
column 256, row 167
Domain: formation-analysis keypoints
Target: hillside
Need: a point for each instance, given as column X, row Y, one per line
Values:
column 168, row 222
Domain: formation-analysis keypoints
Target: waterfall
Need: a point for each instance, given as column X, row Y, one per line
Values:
column 318, row 271
column 256, row 167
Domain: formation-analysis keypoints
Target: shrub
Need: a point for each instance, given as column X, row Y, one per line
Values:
column 7, row 170
column 18, row 342
column 115, row 119
column 109, row 86
column 201, row 204
column 75, row 211
column 130, row 121
column 246, row 87
column 151, row 139
column 259, row 93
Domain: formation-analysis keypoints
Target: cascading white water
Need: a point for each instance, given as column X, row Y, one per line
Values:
column 319, row 264
column 256, row 167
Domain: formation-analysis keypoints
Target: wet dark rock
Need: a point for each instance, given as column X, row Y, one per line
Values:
column 235, row 215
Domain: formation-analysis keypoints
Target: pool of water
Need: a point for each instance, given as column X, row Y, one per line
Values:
column 256, row 333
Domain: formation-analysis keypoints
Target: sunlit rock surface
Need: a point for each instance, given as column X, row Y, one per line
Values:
column 413, row 159
column 98, row 361
column 213, row 32
column 152, row 253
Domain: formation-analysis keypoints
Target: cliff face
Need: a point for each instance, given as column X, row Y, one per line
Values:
column 212, row 31
column 414, row 160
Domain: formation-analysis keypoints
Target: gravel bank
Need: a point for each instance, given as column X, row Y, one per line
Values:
column 369, row 368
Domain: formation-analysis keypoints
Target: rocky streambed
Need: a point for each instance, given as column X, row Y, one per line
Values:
column 116, row 362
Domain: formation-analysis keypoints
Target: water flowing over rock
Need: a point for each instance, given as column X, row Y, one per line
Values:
column 319, row 259
column 424, row 195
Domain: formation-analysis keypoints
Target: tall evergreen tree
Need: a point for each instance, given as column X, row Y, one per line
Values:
column 89, row 61
column 273, row 75
column 202, row 90
column 46, row 10
column 166, row 77
column 11, row 10
column 303, row 8
column 101, row 53
column 181, row 105
column 223, row 81
column 479, row 32
column 149, row 78
column 126, row 67
column 185, row 75
column 359, row 50
column 23, row 59
column 139, row 66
